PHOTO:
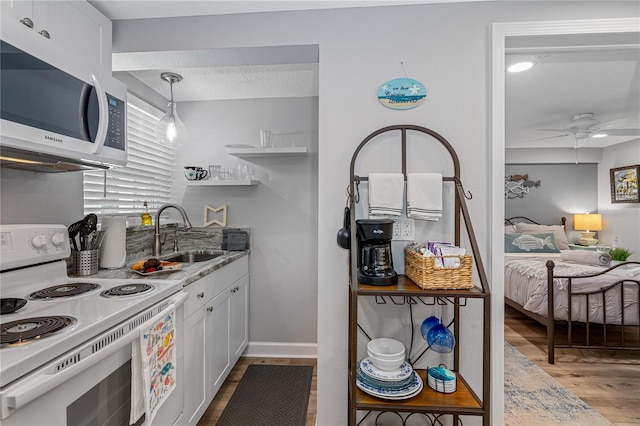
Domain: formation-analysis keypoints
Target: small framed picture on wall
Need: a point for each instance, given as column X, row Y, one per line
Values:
column 624, row 184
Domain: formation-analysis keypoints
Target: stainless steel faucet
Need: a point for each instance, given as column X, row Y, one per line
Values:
column 157, row 244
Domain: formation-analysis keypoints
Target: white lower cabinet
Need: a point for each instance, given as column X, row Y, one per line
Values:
column 239, row 318
column 196, row 359
column 220, row 320
column 216, row 334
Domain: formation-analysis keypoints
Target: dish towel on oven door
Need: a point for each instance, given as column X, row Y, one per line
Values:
column 153, row 373
column 424, row 196
column 386, row 192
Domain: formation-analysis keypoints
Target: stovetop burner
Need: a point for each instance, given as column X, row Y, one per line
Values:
column 126, row 290
column 63, row 290
column 27, row 329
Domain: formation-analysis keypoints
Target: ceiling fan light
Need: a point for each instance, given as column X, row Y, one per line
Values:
column 520, row 66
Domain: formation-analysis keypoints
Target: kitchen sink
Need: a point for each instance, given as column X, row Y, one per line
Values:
column 192, row 256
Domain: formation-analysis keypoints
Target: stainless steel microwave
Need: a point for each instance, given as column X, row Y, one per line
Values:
column 55, row 116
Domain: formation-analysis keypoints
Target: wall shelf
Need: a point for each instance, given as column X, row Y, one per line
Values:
column 214, row 182
column 268, row 152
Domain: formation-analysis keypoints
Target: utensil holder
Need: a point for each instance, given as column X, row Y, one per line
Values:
column 85, row 262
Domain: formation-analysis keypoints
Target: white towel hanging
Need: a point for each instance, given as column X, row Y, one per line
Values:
column 424, row 196
column 386, row 192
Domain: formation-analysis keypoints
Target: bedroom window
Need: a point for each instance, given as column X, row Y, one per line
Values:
column 146, row 177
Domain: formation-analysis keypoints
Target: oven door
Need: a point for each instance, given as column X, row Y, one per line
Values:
column 91, row 385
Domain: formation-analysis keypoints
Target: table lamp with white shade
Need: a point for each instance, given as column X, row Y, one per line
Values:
column 588, row 223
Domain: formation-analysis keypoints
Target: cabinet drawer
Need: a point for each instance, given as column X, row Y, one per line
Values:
column 209, row 286
column 230, row 273
column 200, row 292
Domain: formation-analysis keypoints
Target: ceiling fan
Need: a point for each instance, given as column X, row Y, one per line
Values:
column 585, row 125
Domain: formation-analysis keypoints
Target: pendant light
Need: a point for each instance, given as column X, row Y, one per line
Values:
column 171, row 130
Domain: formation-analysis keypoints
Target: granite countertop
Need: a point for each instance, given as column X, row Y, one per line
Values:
column 189, row 273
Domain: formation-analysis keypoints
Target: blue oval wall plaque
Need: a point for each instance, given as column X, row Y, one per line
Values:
column 402, row 93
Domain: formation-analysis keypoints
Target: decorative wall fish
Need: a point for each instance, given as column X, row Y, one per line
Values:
column 516, row 178
column 515, row 186
column 515, row 189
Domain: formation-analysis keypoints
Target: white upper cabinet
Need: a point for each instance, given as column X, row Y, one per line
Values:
column 76, row 27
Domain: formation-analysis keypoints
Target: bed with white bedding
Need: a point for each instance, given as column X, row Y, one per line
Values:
column 600, row 295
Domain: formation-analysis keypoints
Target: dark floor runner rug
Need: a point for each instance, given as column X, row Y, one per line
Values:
column 270, row 395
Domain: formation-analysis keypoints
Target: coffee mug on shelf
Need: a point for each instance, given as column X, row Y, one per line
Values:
column 195, row 173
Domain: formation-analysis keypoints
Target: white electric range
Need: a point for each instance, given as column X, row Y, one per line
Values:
column 70, row 345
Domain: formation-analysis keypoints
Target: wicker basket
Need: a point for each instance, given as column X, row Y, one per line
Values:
column 426, row 275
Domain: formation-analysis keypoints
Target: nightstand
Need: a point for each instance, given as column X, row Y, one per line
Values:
column 588, row 248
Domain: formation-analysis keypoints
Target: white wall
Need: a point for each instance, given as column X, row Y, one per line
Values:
column 282, row 210
column 620, row 220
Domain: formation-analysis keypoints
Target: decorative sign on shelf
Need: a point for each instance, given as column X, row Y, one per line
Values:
column 516, row 186
column 402, row 93
column 208, row 208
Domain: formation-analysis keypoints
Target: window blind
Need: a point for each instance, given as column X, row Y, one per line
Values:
column 145, row 177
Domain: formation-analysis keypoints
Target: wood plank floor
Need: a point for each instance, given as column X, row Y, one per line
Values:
column 215, row 409
column 608, row 381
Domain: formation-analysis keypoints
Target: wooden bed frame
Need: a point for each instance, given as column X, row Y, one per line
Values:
column 582, row 335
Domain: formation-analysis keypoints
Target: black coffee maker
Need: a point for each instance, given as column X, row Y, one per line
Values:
column 375, row 265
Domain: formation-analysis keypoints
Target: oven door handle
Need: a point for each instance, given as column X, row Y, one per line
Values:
column 38, row 385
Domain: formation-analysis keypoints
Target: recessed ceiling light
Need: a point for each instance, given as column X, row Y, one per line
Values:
column 599, row 135
column 520, row 66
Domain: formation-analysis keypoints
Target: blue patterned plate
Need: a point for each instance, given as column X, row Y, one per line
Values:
column 371, row 370
column 381, row 393
column 396, row 386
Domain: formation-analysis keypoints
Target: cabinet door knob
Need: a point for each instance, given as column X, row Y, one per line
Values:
column 200, row 295
column 210, row 309
column 45, row 34
column 27, row 22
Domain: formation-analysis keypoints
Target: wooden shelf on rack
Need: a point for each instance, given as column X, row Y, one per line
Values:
column 267, row 152
column 214, row 182
column 462, row 401
column 406, row 287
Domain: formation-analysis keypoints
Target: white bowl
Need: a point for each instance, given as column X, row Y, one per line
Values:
column 376, row 356
column 386, row 349
column 385, row 364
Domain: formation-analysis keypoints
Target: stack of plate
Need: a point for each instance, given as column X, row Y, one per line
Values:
column 441, row 379
column 402, row 383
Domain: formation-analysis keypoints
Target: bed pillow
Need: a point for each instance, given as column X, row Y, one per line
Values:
column 586, row 257
column 509, row 229
column 530, row 243
column 558, row 232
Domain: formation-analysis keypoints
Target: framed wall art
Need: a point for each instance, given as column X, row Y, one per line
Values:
column 624, row 184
